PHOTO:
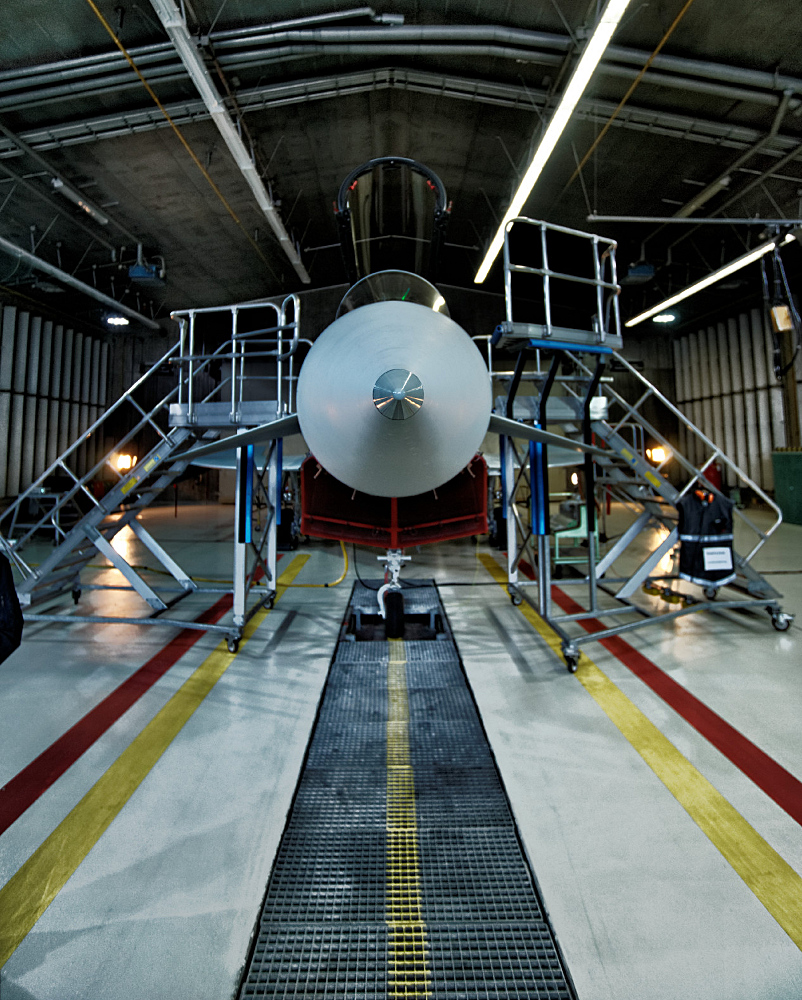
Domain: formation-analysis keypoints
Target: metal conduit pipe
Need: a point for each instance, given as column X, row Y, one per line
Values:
column 38, row 158
column 291, row 52
column 55, row 272
column 234, row 62
column 419, row 81
column 32, row 76
column 724, row 177
column 423, row 34
column 144, row 54
column 120, row 81
column 72, row 219
column 708, row 70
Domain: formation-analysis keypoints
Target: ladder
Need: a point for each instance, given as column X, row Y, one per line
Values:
column 195, row 408
column 590, row 409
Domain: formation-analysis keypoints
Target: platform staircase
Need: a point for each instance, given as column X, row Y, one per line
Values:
column 573, row 393
column 84, row 521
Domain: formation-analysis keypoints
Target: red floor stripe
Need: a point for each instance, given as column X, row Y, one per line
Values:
column 25, row 787
column 32, row 781
column 767, row 774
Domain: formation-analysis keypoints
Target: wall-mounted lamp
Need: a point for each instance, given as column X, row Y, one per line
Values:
column 117, row 320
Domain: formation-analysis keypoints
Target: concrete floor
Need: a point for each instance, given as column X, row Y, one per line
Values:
column 164, row 903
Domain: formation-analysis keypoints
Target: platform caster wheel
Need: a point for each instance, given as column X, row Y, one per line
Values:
column 710, row 593
column 781, row 622
column 516, row 599
column 572, row 662
column 76, row 595
column 232, row 644
column 270, row 603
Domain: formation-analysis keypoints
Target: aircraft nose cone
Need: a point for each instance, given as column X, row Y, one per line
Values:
column 398, row 394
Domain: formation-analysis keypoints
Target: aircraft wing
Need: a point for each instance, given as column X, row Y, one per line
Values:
column 284, row 427
column 228, row 460
column 512, row 428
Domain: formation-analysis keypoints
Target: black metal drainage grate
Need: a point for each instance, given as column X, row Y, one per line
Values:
column 318, row 962
column 498, row 961
column 470, row 925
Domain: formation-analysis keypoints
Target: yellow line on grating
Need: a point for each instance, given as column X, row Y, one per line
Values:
column 408, row 946
column 29, row 892
column 769, row 876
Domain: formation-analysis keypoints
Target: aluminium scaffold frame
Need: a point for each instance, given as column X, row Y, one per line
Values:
column 188, row 412
column 627, row 475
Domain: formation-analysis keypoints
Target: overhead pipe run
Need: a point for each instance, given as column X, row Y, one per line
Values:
column 55, row 272
column 176, row 28
column 680, row 126
column 684, row 73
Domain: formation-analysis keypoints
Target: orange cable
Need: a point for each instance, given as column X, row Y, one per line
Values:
column 177, row 131
column 625, row 98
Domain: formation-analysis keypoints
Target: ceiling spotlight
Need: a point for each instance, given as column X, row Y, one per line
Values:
column 75, row 197
column 664, row 318
column 588, row 62
column 117, row 321
column 711, row 279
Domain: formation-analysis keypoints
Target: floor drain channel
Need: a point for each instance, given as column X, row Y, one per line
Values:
column 400, row 873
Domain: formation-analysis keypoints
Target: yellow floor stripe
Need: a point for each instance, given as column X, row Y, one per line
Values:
column 408, row 946
column 29, row 892
column 770, row 877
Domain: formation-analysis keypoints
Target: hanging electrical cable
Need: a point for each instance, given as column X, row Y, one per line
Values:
column 626, row 97
column 782, row 312
column 181, row 138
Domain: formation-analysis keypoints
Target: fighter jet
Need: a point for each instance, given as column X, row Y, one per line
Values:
column 394, row 398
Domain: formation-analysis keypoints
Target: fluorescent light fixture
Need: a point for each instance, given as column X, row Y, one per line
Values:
column 711, row 279
column 580, row 78
column 117, row 321
column 76, row 199
column 664, row 318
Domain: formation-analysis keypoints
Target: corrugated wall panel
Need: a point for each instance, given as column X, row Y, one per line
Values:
column 17, row 419
column 43, row 429
column 725, row 385
column 7, row 338
column 64, row 438
column 53, row 383
column 31, row 408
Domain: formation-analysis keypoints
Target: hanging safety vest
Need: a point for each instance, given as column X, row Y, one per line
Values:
column 705, row 534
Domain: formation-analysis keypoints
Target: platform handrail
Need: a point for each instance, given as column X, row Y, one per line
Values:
column 600, row 318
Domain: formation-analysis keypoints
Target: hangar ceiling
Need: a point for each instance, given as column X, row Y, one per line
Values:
column 316, row 88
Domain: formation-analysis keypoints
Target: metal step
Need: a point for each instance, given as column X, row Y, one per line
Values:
column 330, row 926
column 90, row 536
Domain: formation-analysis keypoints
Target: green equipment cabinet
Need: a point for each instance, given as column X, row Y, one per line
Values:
column 787, row 466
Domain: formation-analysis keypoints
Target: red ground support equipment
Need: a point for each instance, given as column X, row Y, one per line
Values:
column 330, row 509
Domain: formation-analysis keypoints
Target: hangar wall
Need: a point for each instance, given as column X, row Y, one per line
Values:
column 726, row 386
column 55, row 380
